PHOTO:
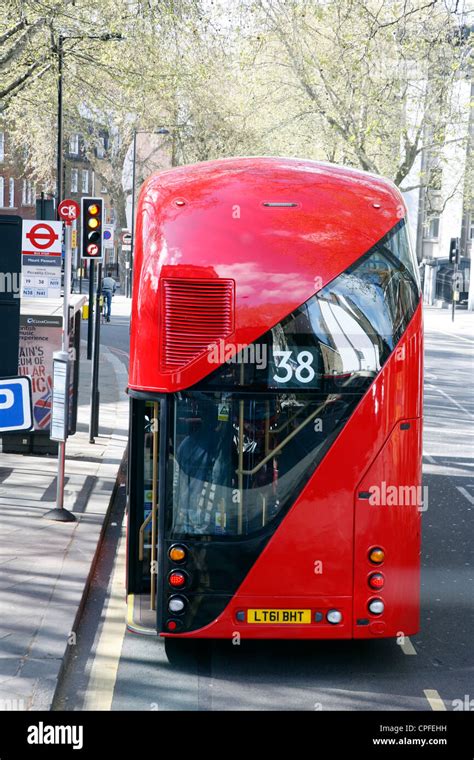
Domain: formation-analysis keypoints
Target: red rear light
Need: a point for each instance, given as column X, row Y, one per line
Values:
column 376, row 580
column 177, row 579
column 173, row 625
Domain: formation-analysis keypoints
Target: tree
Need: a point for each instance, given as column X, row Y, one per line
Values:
column 362, row 82
column 117, row 84
column 369, row 83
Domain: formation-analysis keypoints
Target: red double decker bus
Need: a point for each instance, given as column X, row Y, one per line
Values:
column 275, row 387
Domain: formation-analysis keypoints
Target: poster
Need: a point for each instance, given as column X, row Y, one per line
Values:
column 40, row 336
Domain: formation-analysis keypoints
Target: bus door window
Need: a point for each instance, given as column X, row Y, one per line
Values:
column 202, row 474
column 148, row 527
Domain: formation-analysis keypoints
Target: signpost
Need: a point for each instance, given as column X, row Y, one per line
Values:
column 454, row 248
column 59, row 414
column 126, row 240
column 41, row 259
column 16, row 408
column 69, row 211
column 108, row 235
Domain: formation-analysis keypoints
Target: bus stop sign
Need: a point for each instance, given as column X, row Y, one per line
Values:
column 16, row 411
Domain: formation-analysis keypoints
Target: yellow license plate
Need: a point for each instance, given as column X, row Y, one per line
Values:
column 279, row 616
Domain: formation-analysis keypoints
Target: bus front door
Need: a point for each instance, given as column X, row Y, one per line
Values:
column 143, row 515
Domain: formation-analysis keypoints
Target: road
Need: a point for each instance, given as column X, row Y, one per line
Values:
column 113, row 669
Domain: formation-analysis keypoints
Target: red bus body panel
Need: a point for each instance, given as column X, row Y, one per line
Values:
column 278, row 258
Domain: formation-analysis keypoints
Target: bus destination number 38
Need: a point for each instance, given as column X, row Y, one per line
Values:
column 303, row 372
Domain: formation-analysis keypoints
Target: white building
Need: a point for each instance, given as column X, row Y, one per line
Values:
column 443, row 210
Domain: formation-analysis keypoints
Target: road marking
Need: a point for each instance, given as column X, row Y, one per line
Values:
column 466, row 494
column 466, row 433
column 430, row 458
column 103, row 676
column 453, row 401
column 459, row 337
column 407, row 647
column 434, row 698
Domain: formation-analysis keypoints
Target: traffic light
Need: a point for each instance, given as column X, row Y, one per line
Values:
column 92, row 215
column 454, row 251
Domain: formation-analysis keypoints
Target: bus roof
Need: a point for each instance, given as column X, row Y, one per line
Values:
column 268, row 165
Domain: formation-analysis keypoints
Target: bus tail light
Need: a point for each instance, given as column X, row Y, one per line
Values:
column 376, row 580
column 376, row 606
column 177, row 604
column 173, row 625
column 177, row 579
column 177, row 553
column 376, row 555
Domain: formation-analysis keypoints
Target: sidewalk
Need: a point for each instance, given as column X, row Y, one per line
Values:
column 440, row 320
column 45, row 565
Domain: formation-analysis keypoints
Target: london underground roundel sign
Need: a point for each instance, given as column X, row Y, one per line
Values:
column 42, row 236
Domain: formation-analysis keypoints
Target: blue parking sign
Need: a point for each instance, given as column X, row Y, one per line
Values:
column 16, row 411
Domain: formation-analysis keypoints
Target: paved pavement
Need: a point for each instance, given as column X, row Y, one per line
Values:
column 432, row 671
column 46, row 566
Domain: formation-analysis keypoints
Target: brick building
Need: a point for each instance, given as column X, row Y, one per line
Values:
column 17, row 193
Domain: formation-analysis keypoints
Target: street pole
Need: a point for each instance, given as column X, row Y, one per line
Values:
column 60, row 514
column 129, row 276
column 455, row 286
column 90, row 323
column 59, row 167
column 132, row 244
column 95, row 394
